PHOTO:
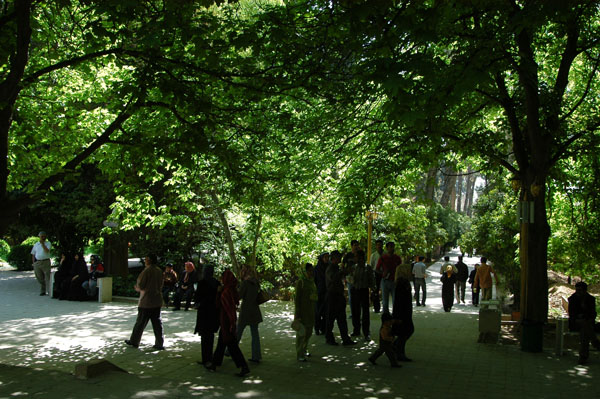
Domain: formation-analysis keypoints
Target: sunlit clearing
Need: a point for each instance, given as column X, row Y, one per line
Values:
column 151, row 394
column 249, row 394
column 250, row 381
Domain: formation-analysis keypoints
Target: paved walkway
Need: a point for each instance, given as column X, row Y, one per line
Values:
column 42, row 339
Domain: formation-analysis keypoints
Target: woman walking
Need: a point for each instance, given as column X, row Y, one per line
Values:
column 207, row 319
column 227, row 301
column 250, row 311
column 304, row 313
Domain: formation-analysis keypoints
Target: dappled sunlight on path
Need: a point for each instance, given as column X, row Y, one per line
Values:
column 49, row 337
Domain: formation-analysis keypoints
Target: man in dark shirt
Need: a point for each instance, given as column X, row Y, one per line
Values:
column 582, row 315
column 461, row 279
column 387, row 265
column 336, row 302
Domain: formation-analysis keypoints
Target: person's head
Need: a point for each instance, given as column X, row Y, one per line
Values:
column 189, row 267
column 360, row 257
column 476, row 266
column 335, row 257
column 247, row 272
column 323, row 258
column 379, row 245
column 208, row 271
column 446, row 258
column 386, row 318
column 449, row 269
column 151, row 259
column 580, row 288
column 421, row 258
column 460, row 258
column 42, row 235
column 483, row 260
column 390, row 247
column 228, row 279
column 169, row 267
column 95, row 259
column 354, row 246
column 309, row 270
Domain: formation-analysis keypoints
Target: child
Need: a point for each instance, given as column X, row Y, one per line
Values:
column 385, row 341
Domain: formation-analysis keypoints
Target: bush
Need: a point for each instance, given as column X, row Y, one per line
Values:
column 123, row 286
column 20, row 257
column 4, row 249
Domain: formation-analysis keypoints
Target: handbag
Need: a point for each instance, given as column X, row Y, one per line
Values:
column 262, row 297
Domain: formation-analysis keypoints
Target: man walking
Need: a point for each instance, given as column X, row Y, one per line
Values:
column 149, row 285
column 461, row 279
column 387, row 265
column 40, row 259
column 419, row 272
column 483, row 279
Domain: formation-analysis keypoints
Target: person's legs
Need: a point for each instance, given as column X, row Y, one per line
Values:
column 364, row 307
column 217, row 358
column 386, row 290
column 340, row 316
column 47, row 270
column 457, row 291
column 207, row 343
column 140, row 324
column 189, row 295
column 463, row 287
column 355, row 311
column 418, row 283
column 237, row 356
column 39, row 276
column 330, row 318
column 376, row 295
column 388, row 349
column 256, row 355
column 157, row 327
column 424, row 288
column 177, row 299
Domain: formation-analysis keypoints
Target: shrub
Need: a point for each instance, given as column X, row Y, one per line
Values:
column 4, row 249
column 20, row 257
column 123, row 286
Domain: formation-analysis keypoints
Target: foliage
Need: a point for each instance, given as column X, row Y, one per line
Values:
column 123, row 286
column 20, row 257
column 4, row 249
column 494, row 234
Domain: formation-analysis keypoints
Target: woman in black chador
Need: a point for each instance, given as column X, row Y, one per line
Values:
column 448, row 281
column 207, row 320
column 61, row 277
column 402, row 311
column 79, row 274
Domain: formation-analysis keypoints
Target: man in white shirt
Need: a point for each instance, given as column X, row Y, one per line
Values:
column 40, row 258
column 373, row 262
column 420, row 273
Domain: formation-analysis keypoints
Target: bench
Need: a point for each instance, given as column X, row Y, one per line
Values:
column 562, row 327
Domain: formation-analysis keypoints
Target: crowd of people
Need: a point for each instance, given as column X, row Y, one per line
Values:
column 320, row 299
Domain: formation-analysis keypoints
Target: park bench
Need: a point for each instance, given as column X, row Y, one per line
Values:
column 562, row 327
column 104, row 288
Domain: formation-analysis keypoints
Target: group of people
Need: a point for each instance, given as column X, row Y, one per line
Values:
column 73, row 279
column 216, row 303
column 320, row 302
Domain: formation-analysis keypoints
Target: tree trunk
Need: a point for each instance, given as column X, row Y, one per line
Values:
column 459, row 192
column 449, row 184
column 226, row 231
column 256, row 237
column 470, row 193
column 430, row 184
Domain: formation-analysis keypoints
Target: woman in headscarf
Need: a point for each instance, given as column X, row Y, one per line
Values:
column 250, row 311
column 304, row 313
column 207, row 320
column 227, row 301
column 403, row 311
column 448, row 281
column 79, row 274
column 62, row 277
column 185, row 291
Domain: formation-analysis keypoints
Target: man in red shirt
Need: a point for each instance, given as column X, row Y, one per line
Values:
column 387, row 265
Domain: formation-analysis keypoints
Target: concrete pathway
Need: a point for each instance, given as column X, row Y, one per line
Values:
column 42, row 339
